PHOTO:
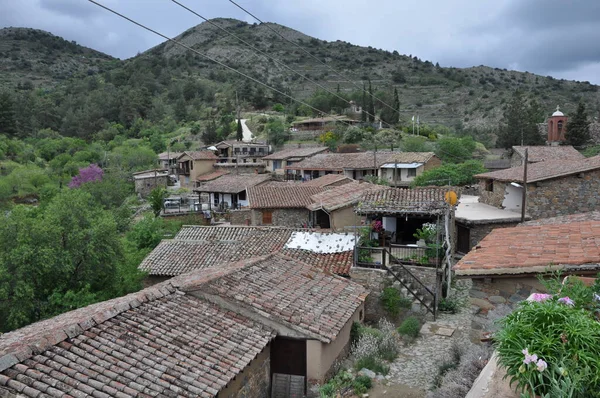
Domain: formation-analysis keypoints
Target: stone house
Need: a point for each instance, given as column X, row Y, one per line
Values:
column 474, row 220
column 405, row 166
column 146, row 181
column 505, row 264
column 192, row 164
column 198, row 247
column 553, row 189
column 229, row 191
column 226, row 331
column 334, row 208
column 537, row 154
column 278, row 161
column 329, row 181
column 168, row 161
column 281, row 205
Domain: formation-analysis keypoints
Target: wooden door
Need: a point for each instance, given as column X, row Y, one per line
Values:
column 288, row 356
column 463, row 241
column 267, row 217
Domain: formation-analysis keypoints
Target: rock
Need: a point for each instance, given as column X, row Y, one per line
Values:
column 365, row 395
column 475, row 310
column 483, row 304
column 366, row 372
column 380, row 377
column 388, row 377
column 497, row 299
column 477, row 294
column 515, row 298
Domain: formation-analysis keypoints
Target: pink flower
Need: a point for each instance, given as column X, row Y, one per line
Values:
column 529, row 358
column 539, row 297
column 541, row 365
column 567, row 301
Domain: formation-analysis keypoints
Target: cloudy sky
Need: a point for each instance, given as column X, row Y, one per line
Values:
column 560, row 38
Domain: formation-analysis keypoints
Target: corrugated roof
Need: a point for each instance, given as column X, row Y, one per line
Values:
column 534, row 248
column 544, row 170
column 294, row 153
column 342, row 196
column 281, row 197
column 232, row 183
column 428, row 200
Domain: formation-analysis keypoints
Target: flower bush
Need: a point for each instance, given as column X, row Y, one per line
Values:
column 427, row 232
column 551, row 343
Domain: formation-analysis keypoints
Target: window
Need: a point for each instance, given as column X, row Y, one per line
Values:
column 412, row 172
column 267, row 217
column 489, row 185
column 216, row 200
column 242, row 195
column 192, row 165
column 276, row 164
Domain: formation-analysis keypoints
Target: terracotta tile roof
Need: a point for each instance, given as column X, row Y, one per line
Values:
column 233, row 183
column 204, row 247
column 295, row 153
column 552, row 153
column 157, row 342
column 341, row 161
column 197, row 247
column 167, row 155
column 200, row 155
column 273, row 197
column 544, row 170
column 341, row 196
column 315, row 303
column 591, row 216
column 212, row 175
column 412, row 157
column 497, row 164
column 531, row 249
column 327, row 180
column 430, row 200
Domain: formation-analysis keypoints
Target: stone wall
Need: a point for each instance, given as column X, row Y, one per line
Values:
column 492, row 198
column 240, row 217
column 375, row 280
column 479, row 231
column 562, row 196
column 144, row 186
column 253, row 381
column 489, row 293
column 295, row 218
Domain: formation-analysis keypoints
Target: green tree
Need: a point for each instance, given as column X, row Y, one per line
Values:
column 455, row 150
column 371, row 110
column 451, row 173
column 276, row 132
column 240, row 131
column 8, row 124
column 578, row 127
column 209, row 136
column 520, row 123
column 157, row 199
column 415, row 144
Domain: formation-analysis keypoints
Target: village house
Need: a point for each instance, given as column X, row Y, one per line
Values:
column 334, row 208
column 505, row 264
column 537, row 154
column 403, row 167
column 168, row 161
column 329, row 181
column 352, row 165
column 192, row 164
column 553, row 188
column 281, row 205
column 146, row 181
column 228, row 191
column 232, row 151
column 197, row 247
column 277, row 162
column 226, row 332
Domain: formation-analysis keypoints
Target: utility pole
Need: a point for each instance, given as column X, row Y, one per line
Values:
column 524, row 198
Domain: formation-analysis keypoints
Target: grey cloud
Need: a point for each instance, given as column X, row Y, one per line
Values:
column 71, row 8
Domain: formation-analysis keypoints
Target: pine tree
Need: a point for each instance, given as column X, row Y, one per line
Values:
column 240, row 131
column 8, row 125
column 520, row 123
column 363, row 113
column 578, row 127
column 396, row 105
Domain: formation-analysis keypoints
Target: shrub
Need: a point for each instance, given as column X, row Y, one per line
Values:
column 550, row 334
column 388, row 343
column 365, row 381
column 451, row 304
column 366, row 354
column 410, row 327
column 392, row 301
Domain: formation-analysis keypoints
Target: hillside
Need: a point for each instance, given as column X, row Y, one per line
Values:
column 31, row 56
column 168, row 82
column 440, row 95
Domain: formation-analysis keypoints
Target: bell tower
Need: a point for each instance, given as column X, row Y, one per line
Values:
column 557, row 125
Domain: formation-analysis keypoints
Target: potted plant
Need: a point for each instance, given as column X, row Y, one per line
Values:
column 377, row 228
column 425, row 234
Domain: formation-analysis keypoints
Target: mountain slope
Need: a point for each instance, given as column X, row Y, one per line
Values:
column 31, row 56
column 440, row 95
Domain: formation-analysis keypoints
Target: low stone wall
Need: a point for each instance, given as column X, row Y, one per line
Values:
column 494, row 197
column 240, row 217
column 375, row 280
column 489, row 293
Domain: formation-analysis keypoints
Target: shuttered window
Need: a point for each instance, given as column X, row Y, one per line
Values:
column 267, row 217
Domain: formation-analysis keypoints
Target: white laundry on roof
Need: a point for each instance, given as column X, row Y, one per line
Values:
column 321, row 243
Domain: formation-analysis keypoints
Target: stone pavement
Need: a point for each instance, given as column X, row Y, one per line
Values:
column 418, row 363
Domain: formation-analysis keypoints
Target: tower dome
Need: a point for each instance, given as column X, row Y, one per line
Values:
column 558, row 112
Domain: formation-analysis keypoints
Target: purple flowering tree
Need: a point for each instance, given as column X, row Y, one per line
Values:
column 87, row 174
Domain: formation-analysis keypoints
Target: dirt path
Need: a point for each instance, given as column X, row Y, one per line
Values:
column 395, row 391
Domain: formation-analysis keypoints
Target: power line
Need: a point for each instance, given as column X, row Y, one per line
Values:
column 314, row 57
column 268, row 56
column 217, row 62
